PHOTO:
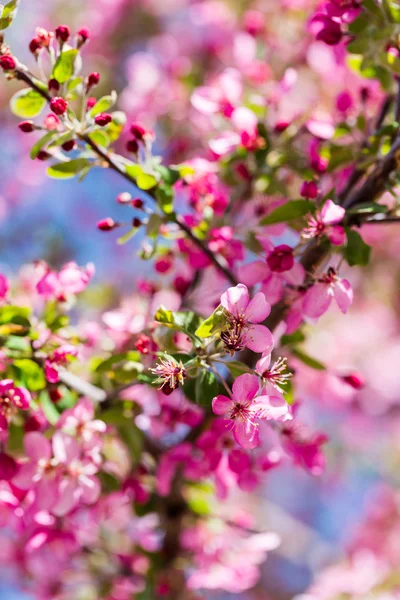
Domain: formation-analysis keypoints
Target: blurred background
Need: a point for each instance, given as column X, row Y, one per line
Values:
column 154, row 52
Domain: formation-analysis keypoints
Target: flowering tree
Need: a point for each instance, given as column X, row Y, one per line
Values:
column 120, row 442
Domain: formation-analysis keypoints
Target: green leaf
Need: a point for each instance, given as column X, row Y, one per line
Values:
column 41, row 143
column 127, row 236
column 237, row 368
column 206, row 388
column 288, row 212
column 7, row 14
column 356, row 252
column 367, row 208
column 308, row 360
column 11, row 314
column 108, row 365
column 104, row 104
column 214, row 324
column 100, row 138
column 144, row 181
column 165, row 198
column 115, row 128
column 30, row 374
column 50, row 411
column 64, row 67
column 294, row 338
column 187, row 322
column 67, row 170
column 184, row 170
column 153, row 225
column 65, row 137
column 27, row 104
column 168, row 175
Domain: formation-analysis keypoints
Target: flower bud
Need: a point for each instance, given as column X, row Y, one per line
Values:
column 26, row 126
column 107, row 224
column 132, row 146
column 355, row 380
column 51, row 122
column 8, row 467
column 35, row 45
column 136, row 222
column 82, row 36
column 68, row 146
column 7, row 62
column 63, row 33
column 55, row 395
column 58, row 105
column 43, row 155
column 53, row 85
column 137, row 203
column 103, row 119
column 124, row 198
column 91, row 102
column 309, row 189
column 281, row 126
column 93, row 79
column 138, row 131
column 281, row 259
column 253, row 22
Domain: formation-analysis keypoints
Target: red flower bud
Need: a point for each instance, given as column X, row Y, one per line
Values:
column 90, row 102
column 309, row 189
column 58, row 105
column 355, row 380
column 43, row 155
column 63, row 33
column 132, row 146
column 53, row 85
column 103, row 119
column 138, row 131
column 7, row 62
column 8, row 467
column 281, row 259
column 281, row 126
column 107, row 224
column 124, row 198
column 137, row 203
column 136, row 222
column 68, row 146
column 35, row 45
column 93, row 79
column 26, row 126
column 55, row 395
column 83, row 36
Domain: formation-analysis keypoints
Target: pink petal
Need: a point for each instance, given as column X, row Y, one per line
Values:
column 331, row 213
column 235, row 299
column 296, row 274
column 221, row 405
column 244, row 388
column 317, row 300
column 37, row 447
column 23, row 479
column 206, row 100
column 343, row 294
column 336, row 235
column 65, row 447
column 69, row 497
column 224, row 143
column 259, row 338
column 263, row 364
column 90, row 487
column 244, row 119
column 253, row 273
column 46, row 493
column 270, row 407
column 246, row 434
column 272, row 287
column 258, row 309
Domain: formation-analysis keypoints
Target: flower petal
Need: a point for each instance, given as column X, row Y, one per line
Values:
column 244, row 389
column 332, row 213
column 343, row 293
column 37, row 447
column 246, row 434
column 221, row 405
column 259, row 338
column 65, row 447
column 235, row 299
column 253, row 273
column 270, row 407
column 258, row 309
column 317, row 300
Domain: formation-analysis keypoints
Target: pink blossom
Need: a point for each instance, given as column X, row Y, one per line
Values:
column 325, row 223
column 244, row 316
column 12, row 399
column 244, row 408
column 4, row 286
column 70, row 280
column 318, row 297
column 58, row 358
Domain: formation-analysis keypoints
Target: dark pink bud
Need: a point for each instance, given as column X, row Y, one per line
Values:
column 90, row 102
column 53, row 85
column 243, row 172
column 26, row 126
column 93, row 79
column 355, row 380
column 43, row 155
column 328, row 31
column 281, row 126
column 309, row 189
column 138, row 131
column 7, row 62
column 137, row 203
column 35, row 45
column 83, row 36
column 107, row 224
column 8, row 467
column 181, row 285
column 163, row 264
column 55, row 395
column 103, row 119
column 68, row 146
column 63, row 33
column 58, row 105
column 253, row 22
column 344, row 102
column 136, row 222
column 281, row 259
column 132, row 146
